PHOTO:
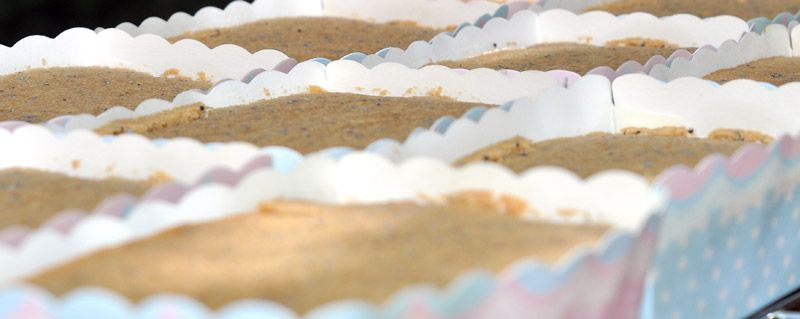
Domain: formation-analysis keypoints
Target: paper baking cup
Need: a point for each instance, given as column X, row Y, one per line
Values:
column 618, row 267
column 481, row 86
column 768, row 39
column 422, row 12
column 773, row 40
column 593, row 104
column 527, row 28
column 149, row 54
column 788, row 19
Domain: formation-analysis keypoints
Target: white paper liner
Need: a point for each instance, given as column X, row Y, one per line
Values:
column 640, row 100
column 148, row 53
column 423, row 12
column 527, row 28
column 772, row 42
column 587, row 106
column 481, row 86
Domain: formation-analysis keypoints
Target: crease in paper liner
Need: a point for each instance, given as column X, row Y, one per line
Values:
column 390, row 79
column 116, row 49
column 523, row 289
column 422, row 12
column 527, row 28
column 773, row 41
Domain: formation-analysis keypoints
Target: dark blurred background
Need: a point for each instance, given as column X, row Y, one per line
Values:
column 20, row 18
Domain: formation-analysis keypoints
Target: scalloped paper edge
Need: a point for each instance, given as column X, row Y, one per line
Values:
column 774, row 41
column 80, row 47
column 422, row 12
column 390, row 79
column 527, row 28
column 87, row 155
